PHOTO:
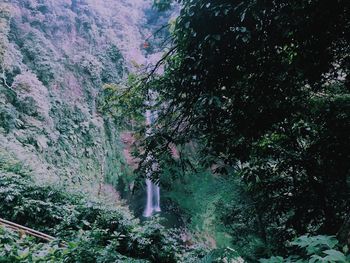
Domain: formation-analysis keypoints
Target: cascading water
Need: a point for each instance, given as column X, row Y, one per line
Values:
column 153, row 190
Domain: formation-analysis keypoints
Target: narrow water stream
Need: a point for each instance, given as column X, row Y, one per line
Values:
column 153, row 190
column 153, row 198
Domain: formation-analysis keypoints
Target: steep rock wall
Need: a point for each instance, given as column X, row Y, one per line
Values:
column 55, row 57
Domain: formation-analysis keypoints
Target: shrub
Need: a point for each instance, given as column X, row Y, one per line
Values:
column 93, row 232
column 314, row 249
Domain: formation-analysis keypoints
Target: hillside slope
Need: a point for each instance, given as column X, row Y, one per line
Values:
column 55, row 57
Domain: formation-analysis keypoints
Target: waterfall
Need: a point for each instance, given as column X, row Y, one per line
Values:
column 149, row 205
column 153, row 190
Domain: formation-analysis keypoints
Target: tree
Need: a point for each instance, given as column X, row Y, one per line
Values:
column 263, row 88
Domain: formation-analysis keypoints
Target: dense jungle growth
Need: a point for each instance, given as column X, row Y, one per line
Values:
column 239, row 111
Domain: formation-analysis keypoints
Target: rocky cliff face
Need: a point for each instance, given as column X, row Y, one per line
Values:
column 55, row 57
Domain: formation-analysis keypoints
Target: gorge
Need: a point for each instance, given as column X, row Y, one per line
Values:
column 174, row 131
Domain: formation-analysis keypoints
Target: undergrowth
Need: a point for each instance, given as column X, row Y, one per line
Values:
column 91, row 231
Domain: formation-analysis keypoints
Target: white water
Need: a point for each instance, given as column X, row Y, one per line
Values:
column 153, row 190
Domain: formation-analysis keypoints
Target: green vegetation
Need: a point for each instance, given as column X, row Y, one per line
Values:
column 314, row 249
column 259, row 90
column 90, row 230
column 52, row 68
column 250, row 145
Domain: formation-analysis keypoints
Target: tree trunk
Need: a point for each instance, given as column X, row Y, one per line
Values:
column 344, row 232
